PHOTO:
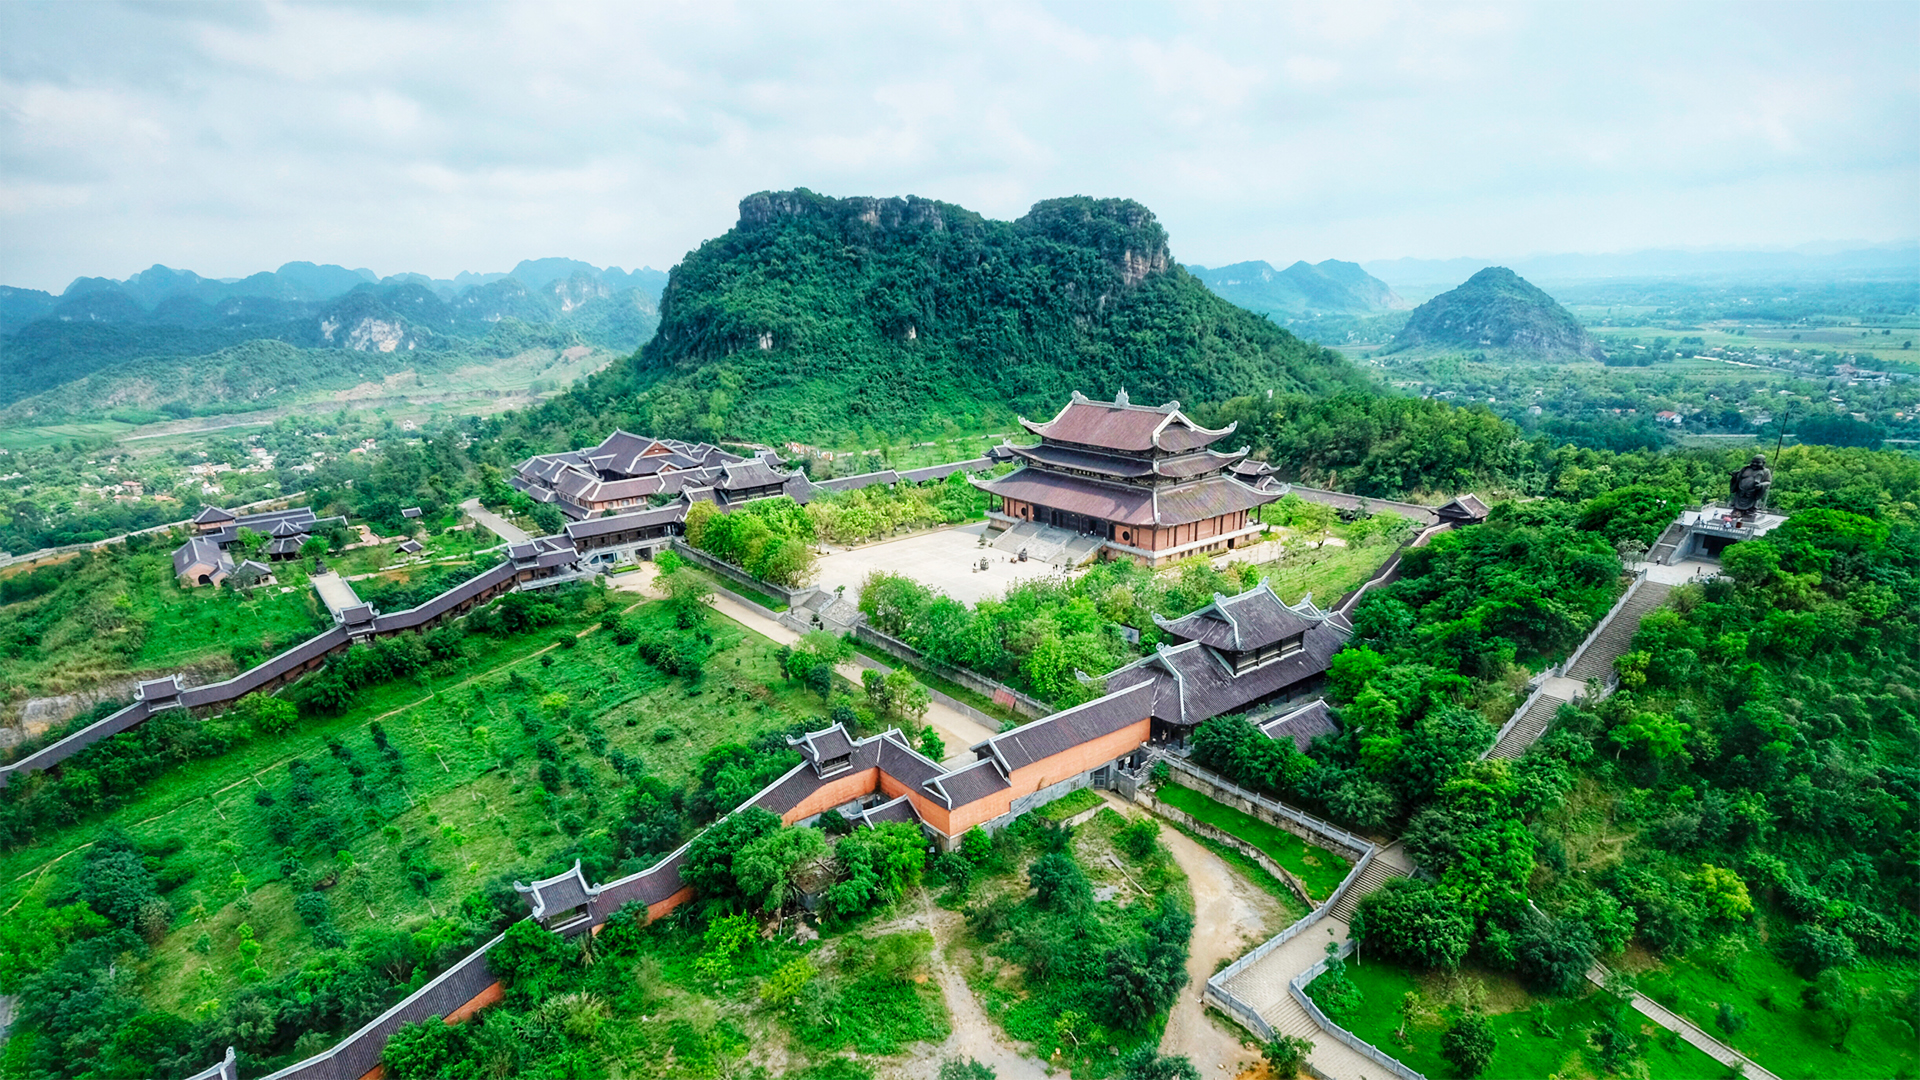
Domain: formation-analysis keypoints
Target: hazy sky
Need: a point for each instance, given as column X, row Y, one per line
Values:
column 438, row 138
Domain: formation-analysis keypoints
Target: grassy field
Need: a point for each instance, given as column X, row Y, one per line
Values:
column 1535, row 1037
column 26, row 438
column 1320, row 870
column 121, row 612
column 1781, row 1033
column 1073, row 802
column 464, row 802
column 1327, row 572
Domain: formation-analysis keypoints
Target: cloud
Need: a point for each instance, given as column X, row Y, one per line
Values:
column 441, row 138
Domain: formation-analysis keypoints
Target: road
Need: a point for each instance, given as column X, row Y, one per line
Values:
column 494, row 523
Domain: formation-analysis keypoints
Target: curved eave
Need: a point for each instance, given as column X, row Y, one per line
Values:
column 1219, row 459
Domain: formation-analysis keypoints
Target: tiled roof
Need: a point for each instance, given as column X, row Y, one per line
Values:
column 1192, row 683
column 1064, row 730
column 1121, row 425
column 749, row 474
column 412, row 547
column 941, row 472
column 1246, row 621
column 199, row 551
column 1200, row 464
column 824, row 745
column 1340, row 500
column 899, row 810
column 671, row 513
column 1302, row 724
column 863, row 480
column 557, row 893
column 356, row 615
column 1124, row 503
column 1464, row 508
column 210, row 514
column 971, row 783
column 1067, row 457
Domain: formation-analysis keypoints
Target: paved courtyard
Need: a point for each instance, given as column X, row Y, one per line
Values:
column 943, row 560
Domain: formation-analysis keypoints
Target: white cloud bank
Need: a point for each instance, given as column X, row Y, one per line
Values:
column 441, row 138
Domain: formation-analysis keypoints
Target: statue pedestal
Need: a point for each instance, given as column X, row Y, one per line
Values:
column 1703, row 534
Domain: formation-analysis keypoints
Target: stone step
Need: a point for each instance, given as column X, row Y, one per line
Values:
column 1532, row 725
column 1613, row 639
column 1376, row 873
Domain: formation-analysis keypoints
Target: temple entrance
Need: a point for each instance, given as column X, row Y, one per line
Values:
column 1080, row 523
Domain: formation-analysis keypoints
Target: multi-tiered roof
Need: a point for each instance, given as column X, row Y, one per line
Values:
column 1128, row 464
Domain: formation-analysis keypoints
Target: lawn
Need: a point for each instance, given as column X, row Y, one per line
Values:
column 1329, row 572
column 456, row 800
column 1320, row 870
column 1073, row 802
column 1781, row 1033
column 1535, row 1037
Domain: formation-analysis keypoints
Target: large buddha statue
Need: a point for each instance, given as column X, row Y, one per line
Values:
column 1748, row 487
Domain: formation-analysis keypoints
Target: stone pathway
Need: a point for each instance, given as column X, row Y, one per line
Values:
column 1688, row 1030
column 334, row 592
column 494, row 523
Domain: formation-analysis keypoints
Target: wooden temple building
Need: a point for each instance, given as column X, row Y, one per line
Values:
column 1145, row 481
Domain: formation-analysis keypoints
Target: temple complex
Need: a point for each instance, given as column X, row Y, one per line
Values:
column 629, row 471
column 1144, row 482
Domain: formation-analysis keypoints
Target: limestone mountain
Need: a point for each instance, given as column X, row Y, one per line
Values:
column 817, row 317
column 1497, row 309
column 1303, row 290
column 84, row 336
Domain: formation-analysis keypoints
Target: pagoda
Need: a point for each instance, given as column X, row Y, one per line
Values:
column 1144, row 480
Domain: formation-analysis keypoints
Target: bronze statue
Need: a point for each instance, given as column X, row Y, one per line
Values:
column 1748, row 487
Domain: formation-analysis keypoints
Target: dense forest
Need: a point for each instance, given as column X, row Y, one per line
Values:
column 823, row 318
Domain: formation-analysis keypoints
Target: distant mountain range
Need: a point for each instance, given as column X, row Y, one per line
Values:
column 1421, row 278
column 48, row 341
column 1497, row 310
column 1303, row 290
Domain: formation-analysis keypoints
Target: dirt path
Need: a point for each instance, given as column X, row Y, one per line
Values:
column 1230, row 916
column 974, row 1035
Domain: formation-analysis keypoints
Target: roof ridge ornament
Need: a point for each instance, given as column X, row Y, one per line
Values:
column 1121, row 398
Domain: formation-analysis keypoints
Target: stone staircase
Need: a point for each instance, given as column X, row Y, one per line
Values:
column 1048, row 544
column 1378, row 872
column 1612, row 639
column 1669, row 542
column 1532, row 724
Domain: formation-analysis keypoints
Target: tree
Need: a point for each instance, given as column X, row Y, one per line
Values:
column 1837, row 999
column 1723, row 893
column 1469, row 1044
column 710, row 857
column 421, row 1051
column 688, row 596
column 1285, row 1054
column 1312, row 521
column 270, row 715
column 1415, row 922
column 1146, row 1063
column 763, row 867
column 1058, row 883
column 931, row 744
column 1661, row 738
column 965, row 1069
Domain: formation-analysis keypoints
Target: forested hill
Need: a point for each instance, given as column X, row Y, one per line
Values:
column 1497, row 309
column 818, row 318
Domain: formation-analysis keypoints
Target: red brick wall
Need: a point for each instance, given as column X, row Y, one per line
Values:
column 834, row 792
column 1051, row 770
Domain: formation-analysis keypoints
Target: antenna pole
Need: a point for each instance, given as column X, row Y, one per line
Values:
column 1781, row 435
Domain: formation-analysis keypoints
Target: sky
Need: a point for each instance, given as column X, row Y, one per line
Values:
column 436, row 138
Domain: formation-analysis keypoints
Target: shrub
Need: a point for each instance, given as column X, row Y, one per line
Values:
column 1469, row 1044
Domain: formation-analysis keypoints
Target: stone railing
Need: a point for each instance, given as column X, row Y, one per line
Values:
column 1274, row 813
column 1221, row 836
column 1298, row 988
column 1639, row 579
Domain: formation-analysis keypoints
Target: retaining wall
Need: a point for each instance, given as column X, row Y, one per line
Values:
column 1221, row 836
column 1305, row 826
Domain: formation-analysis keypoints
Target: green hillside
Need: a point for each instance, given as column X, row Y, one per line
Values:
column 819, row 318
column 1497, row 309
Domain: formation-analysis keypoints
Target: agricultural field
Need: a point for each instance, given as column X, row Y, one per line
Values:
column 413, row 808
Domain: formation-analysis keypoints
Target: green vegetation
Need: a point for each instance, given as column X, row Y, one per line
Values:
column 1497, row 309
column 1409, row 1015
column 835, row 319
column 1320, row 870
column 1077, row 801
column 408, row 812
column 648, row 1001
column 1075, row 975
column 97, row 616
column 876, row 513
